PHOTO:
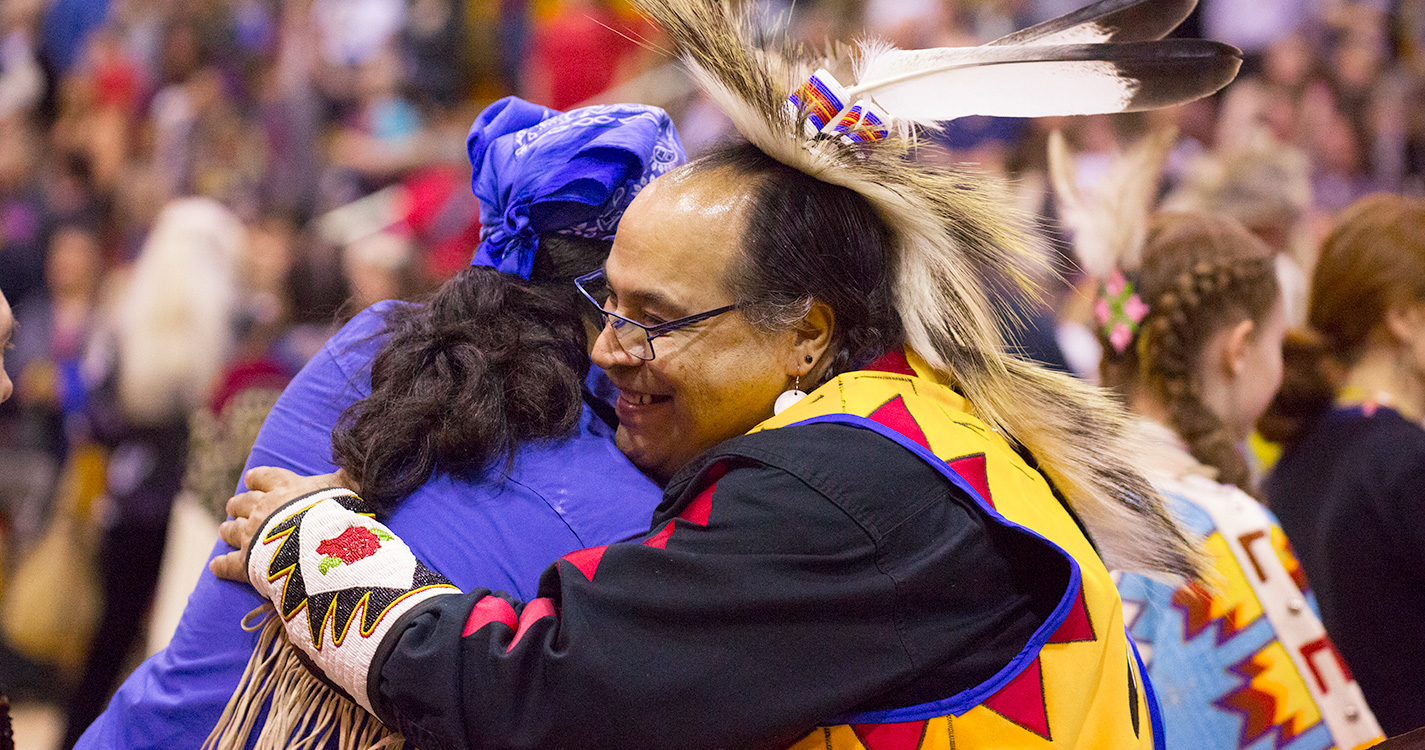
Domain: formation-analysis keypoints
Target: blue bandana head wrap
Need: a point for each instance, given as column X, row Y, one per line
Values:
column 537, row 170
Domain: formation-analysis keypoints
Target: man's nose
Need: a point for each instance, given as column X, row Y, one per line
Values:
column 608, row 352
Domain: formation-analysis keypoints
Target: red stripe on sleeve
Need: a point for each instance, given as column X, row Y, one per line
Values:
column 536, row 610
column 660, row 540
column 700, row 509
column 586, row 560
column 487, row 610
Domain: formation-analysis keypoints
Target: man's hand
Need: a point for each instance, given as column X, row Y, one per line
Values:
column 269, row 488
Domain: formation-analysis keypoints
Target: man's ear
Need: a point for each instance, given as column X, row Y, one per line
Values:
column 1235, row 343
column 812, row 339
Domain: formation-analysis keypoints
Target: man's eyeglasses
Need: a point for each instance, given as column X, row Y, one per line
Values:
column 635, row 338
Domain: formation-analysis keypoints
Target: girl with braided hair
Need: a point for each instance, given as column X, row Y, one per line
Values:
column 1206, row 359
column 1191, row 319
column 1350, row 487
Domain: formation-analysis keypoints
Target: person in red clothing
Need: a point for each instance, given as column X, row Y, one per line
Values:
column 576, row 54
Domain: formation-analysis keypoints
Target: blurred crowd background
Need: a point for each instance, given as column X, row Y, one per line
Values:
column 324, row 143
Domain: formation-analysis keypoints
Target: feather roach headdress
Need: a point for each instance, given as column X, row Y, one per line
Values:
column 953, row 229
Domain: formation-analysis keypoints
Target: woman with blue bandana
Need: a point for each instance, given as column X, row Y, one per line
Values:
column 471, row 421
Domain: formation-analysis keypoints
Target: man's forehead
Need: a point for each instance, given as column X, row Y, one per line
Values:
column 678, row 239
column 702, row 206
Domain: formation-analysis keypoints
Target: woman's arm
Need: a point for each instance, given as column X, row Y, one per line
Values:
column 175, row 697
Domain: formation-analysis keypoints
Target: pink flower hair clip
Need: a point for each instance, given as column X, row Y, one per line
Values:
column 1119, row 311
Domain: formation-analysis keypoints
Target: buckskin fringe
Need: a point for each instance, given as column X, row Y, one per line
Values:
column 303, row 713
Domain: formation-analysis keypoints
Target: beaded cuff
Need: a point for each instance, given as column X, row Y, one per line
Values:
column 823, row 99
column 349, row 575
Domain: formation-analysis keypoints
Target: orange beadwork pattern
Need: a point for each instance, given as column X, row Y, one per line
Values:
column 1231, row 610
column 1273, row 696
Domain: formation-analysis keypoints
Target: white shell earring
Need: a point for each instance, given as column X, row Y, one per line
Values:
column 788, row 398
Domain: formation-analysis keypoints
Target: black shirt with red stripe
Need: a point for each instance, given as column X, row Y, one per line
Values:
column 790, row 577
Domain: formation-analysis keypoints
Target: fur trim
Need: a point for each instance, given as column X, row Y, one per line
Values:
column 952, row 229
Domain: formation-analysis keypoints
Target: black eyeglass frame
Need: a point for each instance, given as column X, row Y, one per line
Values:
column 652, row 332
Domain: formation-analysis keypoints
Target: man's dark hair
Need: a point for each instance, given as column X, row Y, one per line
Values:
column 810, row 240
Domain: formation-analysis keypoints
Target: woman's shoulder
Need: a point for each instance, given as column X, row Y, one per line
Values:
column 588, row 482
column 1205, row 505
column 501, row 529
column 1395, row 446
column 1394, row 435
column 364, row 333
column 1348, row 461
column 1381, row 442
column 343, row 365
column 297, row 432
column 1373, row 428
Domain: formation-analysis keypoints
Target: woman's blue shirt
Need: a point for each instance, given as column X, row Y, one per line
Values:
column 499, row 532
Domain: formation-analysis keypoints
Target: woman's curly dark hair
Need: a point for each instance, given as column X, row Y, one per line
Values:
column 490, row 362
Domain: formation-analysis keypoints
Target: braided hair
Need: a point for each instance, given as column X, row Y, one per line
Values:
column 1200, row 274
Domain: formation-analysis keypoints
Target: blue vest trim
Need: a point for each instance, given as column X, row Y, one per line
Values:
column 967, row 699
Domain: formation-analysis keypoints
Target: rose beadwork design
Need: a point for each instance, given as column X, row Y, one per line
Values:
column 356, row 543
